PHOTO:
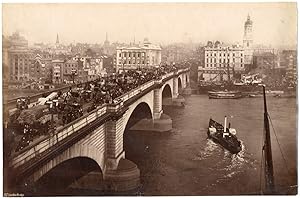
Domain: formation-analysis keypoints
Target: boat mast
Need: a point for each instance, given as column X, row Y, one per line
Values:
column 269, row 177
column 225, row 124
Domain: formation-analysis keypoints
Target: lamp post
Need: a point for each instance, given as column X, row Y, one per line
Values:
column 52, row 105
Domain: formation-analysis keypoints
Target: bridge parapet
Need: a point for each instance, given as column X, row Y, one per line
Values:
column 46, row 143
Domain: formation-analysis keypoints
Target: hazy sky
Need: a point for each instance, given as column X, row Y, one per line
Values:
column 273, row 23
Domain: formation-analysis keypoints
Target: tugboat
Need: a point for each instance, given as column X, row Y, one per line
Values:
column 224, row 136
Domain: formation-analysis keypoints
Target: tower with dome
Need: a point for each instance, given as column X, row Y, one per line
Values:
column 248, row 41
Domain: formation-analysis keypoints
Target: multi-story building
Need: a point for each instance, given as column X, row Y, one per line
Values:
column 264, row 61
column 41, row 66
column 108, row 64
column 19, row 64
column 17, row 58
column 37, row 69
column 288, row 62
column 57, row 71
column 70, row 71
column 291, row 71
column 221, row 62
column 146, row 55
column 286, row 56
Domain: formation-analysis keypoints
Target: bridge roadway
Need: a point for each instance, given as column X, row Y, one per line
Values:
column 11, row 104
column 28, row 165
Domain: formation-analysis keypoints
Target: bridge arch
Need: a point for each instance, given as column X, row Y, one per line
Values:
column 86, row 148
column 186, row 78
column 131, row 145
column 140, row 111
column 167, row 91
column 179, row 83
column 67, row 173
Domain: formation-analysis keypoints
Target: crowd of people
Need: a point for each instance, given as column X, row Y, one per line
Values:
column 70, row 104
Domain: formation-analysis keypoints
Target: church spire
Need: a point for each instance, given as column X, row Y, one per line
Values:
column 57, row 40
column 106, row 39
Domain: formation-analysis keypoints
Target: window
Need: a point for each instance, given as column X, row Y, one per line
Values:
column 120, row 54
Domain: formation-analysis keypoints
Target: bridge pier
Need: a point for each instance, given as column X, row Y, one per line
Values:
column 178, row 101
column 163, row 124
column 92, row 181
column 186, row 91
column 125, row 178
column 157, row 104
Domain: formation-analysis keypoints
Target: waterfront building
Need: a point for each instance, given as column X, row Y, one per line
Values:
column 287, row 56
column 291, row 70
column 264, row 61
column 219, row 60
column 147, row 55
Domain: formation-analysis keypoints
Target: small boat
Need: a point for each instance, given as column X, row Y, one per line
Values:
column 255, row 95
column 224, row 136
column 286, row 95
column 224, row 94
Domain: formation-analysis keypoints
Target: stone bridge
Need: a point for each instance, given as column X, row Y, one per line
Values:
column 98, row 138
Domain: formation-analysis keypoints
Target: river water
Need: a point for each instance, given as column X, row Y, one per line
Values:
column 185, row 162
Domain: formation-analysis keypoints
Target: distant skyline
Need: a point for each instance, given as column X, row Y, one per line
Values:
column 161, row 23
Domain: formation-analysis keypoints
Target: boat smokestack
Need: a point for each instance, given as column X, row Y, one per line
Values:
column 225, row 122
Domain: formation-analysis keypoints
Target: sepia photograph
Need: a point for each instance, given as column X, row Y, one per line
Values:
column 149, row 99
